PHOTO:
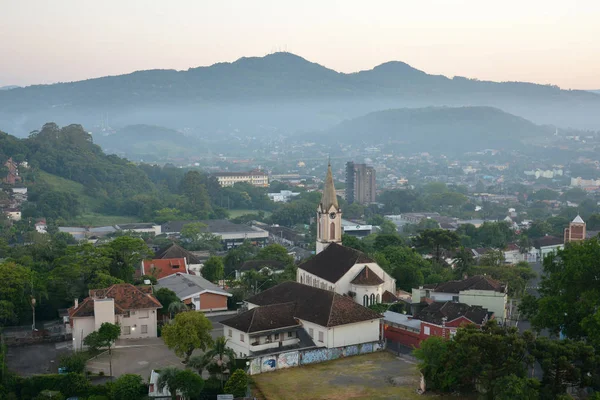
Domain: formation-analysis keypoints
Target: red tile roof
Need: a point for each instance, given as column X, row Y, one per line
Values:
column 161, row 268
column 126, row 297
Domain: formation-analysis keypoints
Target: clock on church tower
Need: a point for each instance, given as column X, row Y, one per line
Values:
column 329, row 216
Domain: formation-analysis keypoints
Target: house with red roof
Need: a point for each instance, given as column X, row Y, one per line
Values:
column 132, row 307
column 161, row 268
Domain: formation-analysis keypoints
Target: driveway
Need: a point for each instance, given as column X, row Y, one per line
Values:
column 135, row 356
column 37, row 358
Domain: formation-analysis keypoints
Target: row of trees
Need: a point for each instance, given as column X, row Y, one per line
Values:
column 499, row 363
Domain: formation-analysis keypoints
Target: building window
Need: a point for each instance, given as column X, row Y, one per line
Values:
column 321, row 339
column 427, row 294
column 366, row 300
column 426, row 330
column 301, row 278
column 277, row 336
column 144, row 328
column 126, row 330
column 290, row 334
column 332, row 231
column 455, row 299
column 229, row 333
column 372, row 298
column 268, row 338
column 241, row 337
column 377, row 298
column 144, row 314
column 311, row 332
column 127, row 314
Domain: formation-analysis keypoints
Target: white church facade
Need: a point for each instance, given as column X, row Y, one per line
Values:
column 338, row 268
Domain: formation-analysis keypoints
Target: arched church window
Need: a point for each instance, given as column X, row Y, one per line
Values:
column 366, row 300
column 301, row 278
column 377, row 298
column 332, row 231
column 373, row 298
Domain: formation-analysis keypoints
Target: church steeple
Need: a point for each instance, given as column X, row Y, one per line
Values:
column 329, row 197
column 329, row 215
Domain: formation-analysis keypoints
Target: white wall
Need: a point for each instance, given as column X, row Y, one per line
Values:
column 104, row 311
column 138, row 319
column 81, row 328
column 362, row 290
column 234, row 342
column 351, row 334
column 307, row 326
column 493, row 301
column 343, row 285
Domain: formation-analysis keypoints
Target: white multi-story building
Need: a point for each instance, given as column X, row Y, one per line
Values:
column 255, row 177
column 133, row 308
column 295, row 316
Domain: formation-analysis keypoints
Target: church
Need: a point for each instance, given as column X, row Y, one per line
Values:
column 338, row 268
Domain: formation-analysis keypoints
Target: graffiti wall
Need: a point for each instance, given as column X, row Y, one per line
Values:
column 295, row 358
column 288, row 360
column 268, row 363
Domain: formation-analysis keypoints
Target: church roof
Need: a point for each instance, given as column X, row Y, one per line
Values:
column 333, row 262
column 367, row 277
column 319, row 306
column 329, row 197
column 578, row 220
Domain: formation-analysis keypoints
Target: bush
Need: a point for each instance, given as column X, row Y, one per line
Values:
column 237, row 384
column 128, row 386
column 74, row 362
column 50, row 395
column 68, row 384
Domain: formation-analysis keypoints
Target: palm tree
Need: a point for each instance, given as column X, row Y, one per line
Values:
column 220, row 356
column 182, row 381
column 176, row 307
column 199, row 363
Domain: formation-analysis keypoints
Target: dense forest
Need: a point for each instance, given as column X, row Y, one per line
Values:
column 61, row 159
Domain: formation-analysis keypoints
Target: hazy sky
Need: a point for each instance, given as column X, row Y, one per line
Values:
column 544, row 41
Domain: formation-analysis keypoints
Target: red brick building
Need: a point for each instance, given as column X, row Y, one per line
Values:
column 576, row 231
column 438, row 319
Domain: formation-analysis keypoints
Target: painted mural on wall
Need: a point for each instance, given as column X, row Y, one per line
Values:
column 350, row 351
column 366, row 348
column 255, row 366
column 288, row 360
column 268, row 364
column 315, row 356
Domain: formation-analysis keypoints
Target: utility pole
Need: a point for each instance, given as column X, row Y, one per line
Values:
column 33, row 309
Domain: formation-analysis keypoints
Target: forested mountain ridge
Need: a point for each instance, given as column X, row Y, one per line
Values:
column 432, row 129
column 280, row 90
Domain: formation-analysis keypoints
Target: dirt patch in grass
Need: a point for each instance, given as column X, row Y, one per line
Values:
column 374, row 376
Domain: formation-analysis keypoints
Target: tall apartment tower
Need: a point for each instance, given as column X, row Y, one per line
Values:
column 360, row 183
column 576, row 230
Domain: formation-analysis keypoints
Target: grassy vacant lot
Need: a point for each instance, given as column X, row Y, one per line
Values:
column 374, row 376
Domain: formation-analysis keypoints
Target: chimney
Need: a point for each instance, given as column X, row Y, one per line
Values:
column 76, row 304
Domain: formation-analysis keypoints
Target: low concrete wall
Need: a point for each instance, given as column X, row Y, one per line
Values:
column 297, row 358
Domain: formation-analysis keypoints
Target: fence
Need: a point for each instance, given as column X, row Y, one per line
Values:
column 53, row 331
column 297, row 358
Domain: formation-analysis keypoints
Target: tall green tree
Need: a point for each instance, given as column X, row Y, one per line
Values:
column 187, row 332
column 220, row 358
column 568, row 299
column 437, row 240
column 213, row 269
column 238, row 383
column 197, row 237
column 126, row 253
column 128, row 387
column 193, row 188
column 179, row 381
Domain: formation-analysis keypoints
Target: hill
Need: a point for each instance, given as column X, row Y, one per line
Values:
column 149, row 143
column 446, row 130
column 8, row 87
column 282, row 92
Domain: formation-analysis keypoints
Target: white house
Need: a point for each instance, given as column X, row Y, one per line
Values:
column 478, row 290
column 338, row 268
column 133, row 308
column 41, row 226
column 295, row 316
